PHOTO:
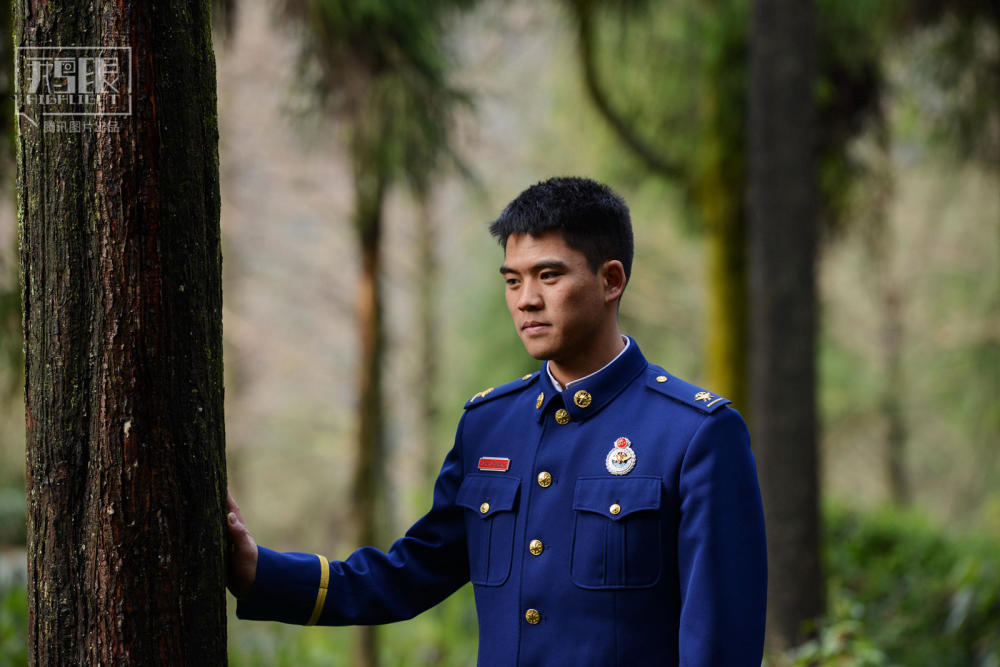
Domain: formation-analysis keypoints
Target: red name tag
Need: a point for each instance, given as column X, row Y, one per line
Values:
column 491, row 463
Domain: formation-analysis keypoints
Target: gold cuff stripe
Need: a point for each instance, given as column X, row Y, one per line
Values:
column 324, row 581
column 714, row 402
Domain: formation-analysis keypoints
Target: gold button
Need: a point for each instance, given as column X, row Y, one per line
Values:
column 661, row 378
column 527, row 377
column 615, row 509
column 562, row 416
column 539, row 400
column 581, row 398
column 533, row 616
column 544, row 479
column 535, row 547
column 485, row 507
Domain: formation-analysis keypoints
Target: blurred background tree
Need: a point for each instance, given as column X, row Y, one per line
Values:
column 783, row 217
column 379, row 68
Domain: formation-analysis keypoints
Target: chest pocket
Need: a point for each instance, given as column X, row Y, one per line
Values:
column 490, row 501
column 617, row 532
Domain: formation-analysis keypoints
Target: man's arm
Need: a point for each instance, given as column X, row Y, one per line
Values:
column 721, row 548
column 422, row 568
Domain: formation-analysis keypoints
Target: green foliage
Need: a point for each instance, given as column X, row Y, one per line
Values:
column 948, row 75
column 684, row 65
column 13, row 626
column 382, row 65
column 848, row 89
column 902, row 592
column 842, row 642
column 849, row 382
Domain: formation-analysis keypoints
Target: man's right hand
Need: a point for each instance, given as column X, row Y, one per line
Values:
column 242, row 553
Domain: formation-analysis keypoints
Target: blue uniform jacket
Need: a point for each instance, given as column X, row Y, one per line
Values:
column 617, row 522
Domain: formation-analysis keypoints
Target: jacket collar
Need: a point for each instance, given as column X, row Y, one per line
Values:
column 602, row 387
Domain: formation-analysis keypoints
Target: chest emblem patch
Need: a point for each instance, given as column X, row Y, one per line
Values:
column 494, row 463
column 621, row 458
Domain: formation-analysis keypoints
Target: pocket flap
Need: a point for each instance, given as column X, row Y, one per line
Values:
column 615, row 499
column 488, row 492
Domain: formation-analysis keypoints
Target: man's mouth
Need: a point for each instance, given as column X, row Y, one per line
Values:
column 532, row 327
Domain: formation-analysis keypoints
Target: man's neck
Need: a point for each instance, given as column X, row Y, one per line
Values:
column 596, row 359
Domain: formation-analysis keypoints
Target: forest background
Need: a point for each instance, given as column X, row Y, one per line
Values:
column 909, row 289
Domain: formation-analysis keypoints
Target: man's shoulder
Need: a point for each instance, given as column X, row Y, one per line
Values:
column 681, row 391
column 493, row 393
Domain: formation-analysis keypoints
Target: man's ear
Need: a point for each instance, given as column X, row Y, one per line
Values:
column 613, row 279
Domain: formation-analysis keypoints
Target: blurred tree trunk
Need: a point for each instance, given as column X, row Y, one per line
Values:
column 121, row 285
column 893, row 392
column 888, row 289
column 382, row 71
column 726, row 353
column 783, row 206
column 719, row 185
column 369, row 469
column 427, row 283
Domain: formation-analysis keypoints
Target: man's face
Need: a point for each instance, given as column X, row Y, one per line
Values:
column 557, row 303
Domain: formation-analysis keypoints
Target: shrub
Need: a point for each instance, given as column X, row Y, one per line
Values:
column 902, row 592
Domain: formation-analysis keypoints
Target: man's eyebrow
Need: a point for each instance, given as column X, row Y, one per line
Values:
column 540, row 266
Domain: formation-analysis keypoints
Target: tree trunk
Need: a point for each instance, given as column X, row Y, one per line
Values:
column 369, row 470
column 893, row 392
column 782, row 249
column 427, row 283
column 888, row 290
column 726, row 365
column 122, row 292
column 719, row 185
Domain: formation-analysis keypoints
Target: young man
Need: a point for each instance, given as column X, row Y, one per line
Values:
column 606, row 512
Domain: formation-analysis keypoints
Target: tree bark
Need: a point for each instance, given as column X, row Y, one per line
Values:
column 783, row 206
column 122, row 292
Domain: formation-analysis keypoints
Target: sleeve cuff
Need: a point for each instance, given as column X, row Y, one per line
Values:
column 289, row 588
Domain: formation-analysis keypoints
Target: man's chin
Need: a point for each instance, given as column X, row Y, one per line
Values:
column 537, row 349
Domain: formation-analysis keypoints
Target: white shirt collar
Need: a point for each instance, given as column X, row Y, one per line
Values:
column 559, row 387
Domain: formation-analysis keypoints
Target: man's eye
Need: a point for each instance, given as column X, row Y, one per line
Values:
column 548, row 275
column 511, row 282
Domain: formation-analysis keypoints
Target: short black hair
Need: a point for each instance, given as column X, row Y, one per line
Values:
column 591, row 216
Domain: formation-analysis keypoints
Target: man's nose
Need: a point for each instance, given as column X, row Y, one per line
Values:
column 530, row 298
